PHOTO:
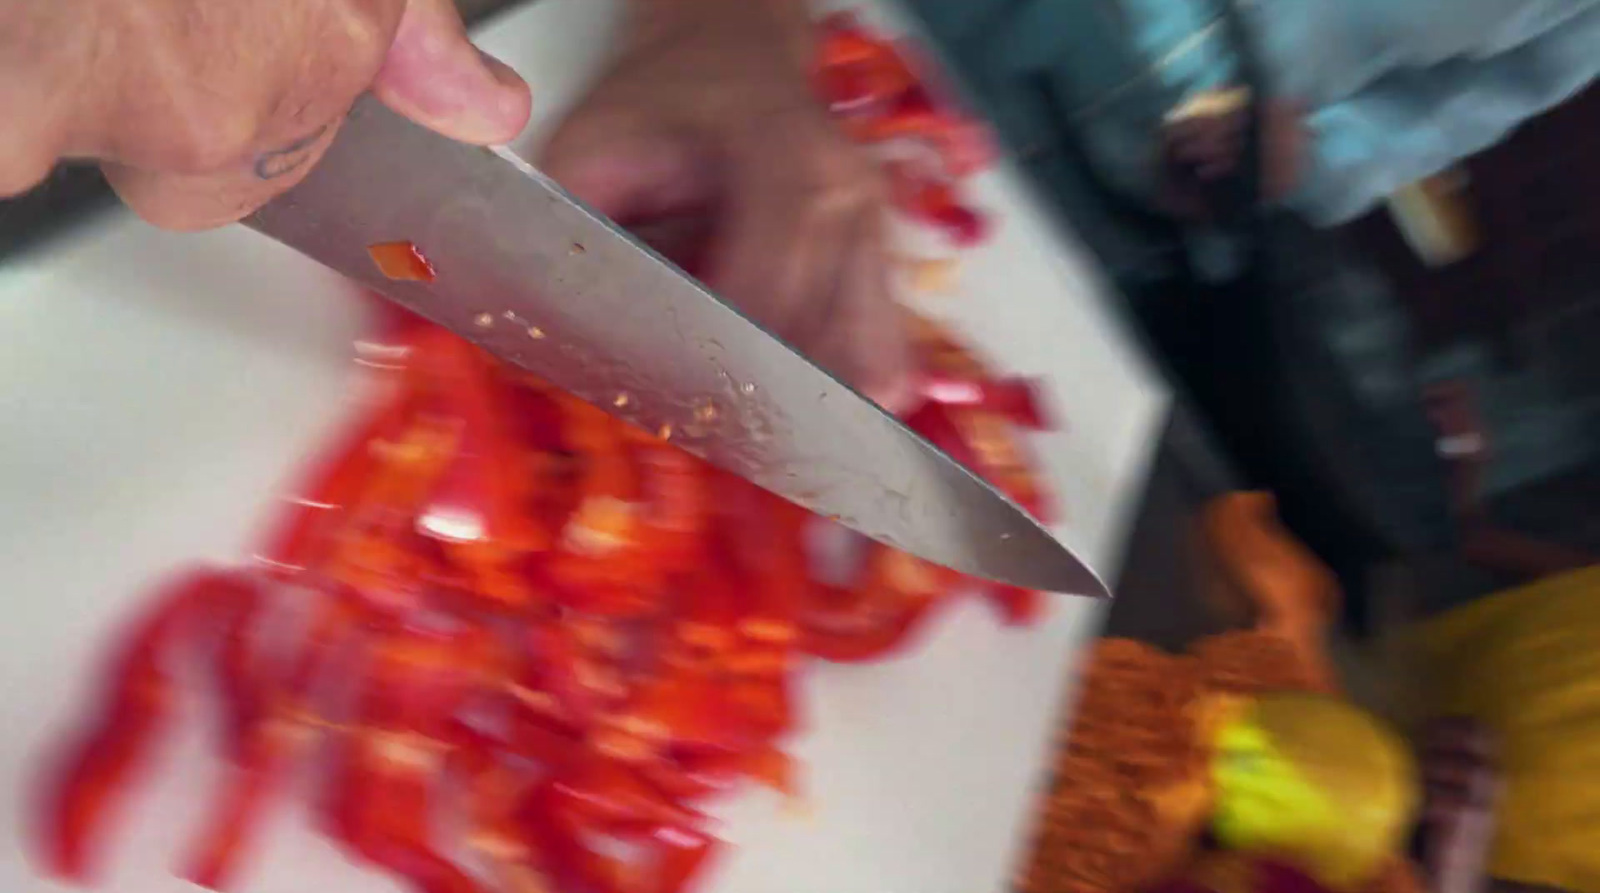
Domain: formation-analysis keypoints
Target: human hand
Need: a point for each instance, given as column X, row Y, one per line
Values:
column 706, row 138
column 1461, row 788
column 202, row 110
column 1203, row 144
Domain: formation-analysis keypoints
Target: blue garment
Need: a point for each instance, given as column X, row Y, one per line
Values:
column 1395, row 90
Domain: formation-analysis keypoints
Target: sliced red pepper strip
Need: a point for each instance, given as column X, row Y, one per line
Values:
column 698, row 776
column 560, row 840
column 880, row 613
column 680, row 856
column 1017, row 606
column 772, row 767
column 694, row 777
column 1015, row 398
column 559, row 666
column 869, row 644
column 477, row 505
column 230, row 823
column 763, row 707
column 692, row 708
column 673, row 487
column 764, row 538
column 936, row 422
column 546, row 742
column 240, row 674
column 381, row 789
column 999, row 457
column 608, row 795
column 928, row 198
column 134, row 706
column 600, row 565
column 264, row 704
column 385, row 819
column 845, row 42
column 332, row 482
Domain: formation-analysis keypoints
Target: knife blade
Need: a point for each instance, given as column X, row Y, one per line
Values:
column 531, row 275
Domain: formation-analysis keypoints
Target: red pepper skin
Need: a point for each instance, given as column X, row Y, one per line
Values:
column 263, row 702
column 84, row 792
column 881, row 613
column 386, row 822
column 379, row 809
column 965, row 226
column 936, row 422
column 607, row 795
column 675, row 497
column 245, row 704
column 1016, row 398
column 680, row 856
column 880, row 640
column 698, row 776
column 925, row 196
column 558, row 837
column 230, row 824
column 482, row 481
column 334, row 480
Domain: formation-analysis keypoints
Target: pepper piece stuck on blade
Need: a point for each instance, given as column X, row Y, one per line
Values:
column 401, row 261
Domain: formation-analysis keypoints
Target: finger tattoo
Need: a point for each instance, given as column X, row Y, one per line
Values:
column 275, row 163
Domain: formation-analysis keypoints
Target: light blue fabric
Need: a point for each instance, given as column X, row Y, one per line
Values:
column 1396, row 90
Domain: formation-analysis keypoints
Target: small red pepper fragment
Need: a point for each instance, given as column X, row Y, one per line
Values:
column 1015, row 398
column 401, row 261
column 928, row 198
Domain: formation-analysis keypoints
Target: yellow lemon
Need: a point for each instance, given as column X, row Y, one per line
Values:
column 1315, row 780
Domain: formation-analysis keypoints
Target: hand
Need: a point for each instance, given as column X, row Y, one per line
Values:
column 1203, row 149
column 706, row 138
column 1461, row 788
column 202, row 110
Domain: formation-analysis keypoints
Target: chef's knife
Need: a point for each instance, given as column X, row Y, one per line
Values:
column 536, row 278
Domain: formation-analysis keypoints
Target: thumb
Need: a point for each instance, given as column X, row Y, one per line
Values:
column 437, row 78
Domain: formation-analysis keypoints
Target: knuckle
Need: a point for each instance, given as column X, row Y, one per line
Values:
column 836, row 173
column 365, row 36
column 209, row 139
column 836, row 188
column 31, row 137
column 195, row 130
column 185, row 203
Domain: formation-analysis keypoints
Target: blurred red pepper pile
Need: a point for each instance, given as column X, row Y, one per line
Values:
column 494, row 609
column 879, row 90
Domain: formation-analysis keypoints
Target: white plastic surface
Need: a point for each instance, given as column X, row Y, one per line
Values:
column 155, row 389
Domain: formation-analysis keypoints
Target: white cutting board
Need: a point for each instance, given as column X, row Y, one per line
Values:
column 155, row 388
